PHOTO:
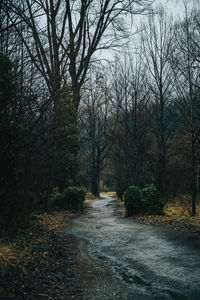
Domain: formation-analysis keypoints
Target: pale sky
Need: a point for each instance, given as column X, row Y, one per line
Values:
column 174, row 7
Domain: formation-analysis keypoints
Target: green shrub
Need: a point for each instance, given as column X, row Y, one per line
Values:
column 132, row 200
column 75, row 197
column 57, row 199
column 151, row 202
column 145, row 201
column 71, row 199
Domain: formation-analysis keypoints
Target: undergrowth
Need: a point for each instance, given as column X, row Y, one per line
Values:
column 177, row 213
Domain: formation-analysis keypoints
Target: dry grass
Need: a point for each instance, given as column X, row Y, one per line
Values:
column 108, row 193
column 90, row 198
column 179, row 210
column 7, row 252
column 180, row 206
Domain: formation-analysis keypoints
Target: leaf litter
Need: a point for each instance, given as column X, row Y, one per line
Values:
column 39, row 262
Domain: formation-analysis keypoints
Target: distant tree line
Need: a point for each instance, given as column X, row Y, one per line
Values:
column 152, row 116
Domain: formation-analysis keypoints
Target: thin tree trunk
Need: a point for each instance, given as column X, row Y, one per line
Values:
column 95, row 183
column 193, row 178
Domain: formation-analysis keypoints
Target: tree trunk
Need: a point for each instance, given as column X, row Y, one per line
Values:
column 95, row 183
column 193, row 178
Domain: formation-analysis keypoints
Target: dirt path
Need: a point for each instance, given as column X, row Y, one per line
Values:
column 122, row 259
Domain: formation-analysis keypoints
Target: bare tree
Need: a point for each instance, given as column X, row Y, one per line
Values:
column 194, row 21
column 95, row 126
column 158, row 47
column 186, row 78
column 130, row 100
column 67, row 33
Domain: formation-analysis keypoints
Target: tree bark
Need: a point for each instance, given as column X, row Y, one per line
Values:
column 193, row 178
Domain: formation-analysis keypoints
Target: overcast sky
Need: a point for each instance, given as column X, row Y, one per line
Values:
column 174, row 7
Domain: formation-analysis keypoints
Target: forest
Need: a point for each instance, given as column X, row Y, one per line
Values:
column 72, row 116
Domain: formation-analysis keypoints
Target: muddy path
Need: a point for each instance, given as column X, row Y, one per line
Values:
column 122, row 259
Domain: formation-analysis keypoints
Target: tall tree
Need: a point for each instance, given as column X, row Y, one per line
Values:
column 186, row 78
column 95, row 126
column 15, row 201
column 130, row 102
column 158, row 47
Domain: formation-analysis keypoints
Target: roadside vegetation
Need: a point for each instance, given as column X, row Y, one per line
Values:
column 176, row 212
column 36, row 241
column 38, row 260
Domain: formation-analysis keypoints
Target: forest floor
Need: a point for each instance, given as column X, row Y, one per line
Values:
column 38, row 263
column 177, row 215
column 41, row 262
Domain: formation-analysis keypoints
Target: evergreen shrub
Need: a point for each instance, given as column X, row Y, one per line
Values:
column 71, row 199
column 57, row 199
column 151, row 201
column 132, row 200
column 144, row 201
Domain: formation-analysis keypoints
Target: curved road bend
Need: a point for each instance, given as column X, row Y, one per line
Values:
column 122, row 259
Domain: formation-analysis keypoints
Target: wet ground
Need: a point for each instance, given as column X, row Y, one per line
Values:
column 120, row 258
